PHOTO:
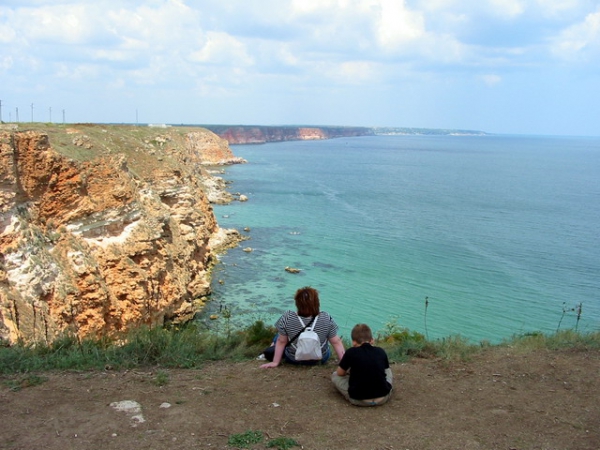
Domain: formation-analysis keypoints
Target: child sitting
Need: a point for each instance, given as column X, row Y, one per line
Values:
column 364, row 376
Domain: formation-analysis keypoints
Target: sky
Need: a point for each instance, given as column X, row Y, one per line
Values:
column 499, row 66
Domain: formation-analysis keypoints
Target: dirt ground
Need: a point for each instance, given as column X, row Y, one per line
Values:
column 498, row 400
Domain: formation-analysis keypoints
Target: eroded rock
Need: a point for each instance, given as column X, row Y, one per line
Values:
column 103, row 244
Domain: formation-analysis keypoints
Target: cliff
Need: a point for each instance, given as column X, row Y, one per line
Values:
column 242, row 134
column 104, row 228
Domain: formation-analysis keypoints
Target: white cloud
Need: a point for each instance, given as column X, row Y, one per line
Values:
column 351, row 72
column 162, row 26
column 57, row 24
column 106, row 23
column 580, row 41
column 555, row 8
column 358, row 30
column 6, row 63
column 491, row 79
column 507, row 8
column 398, row 26
column 79, row 72
column 221, row 48
column 7, row 32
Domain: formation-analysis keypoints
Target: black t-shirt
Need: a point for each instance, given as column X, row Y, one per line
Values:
column 367, row 366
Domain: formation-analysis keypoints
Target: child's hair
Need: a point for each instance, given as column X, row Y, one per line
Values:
column 361, row 333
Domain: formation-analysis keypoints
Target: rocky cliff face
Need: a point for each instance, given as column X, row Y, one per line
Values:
column 263, row 134
column 103, row 228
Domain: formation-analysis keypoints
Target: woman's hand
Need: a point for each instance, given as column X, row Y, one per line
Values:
column 270, row 365
column 280, row 344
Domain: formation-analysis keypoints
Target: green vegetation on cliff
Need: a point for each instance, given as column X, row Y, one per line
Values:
column 190, row 346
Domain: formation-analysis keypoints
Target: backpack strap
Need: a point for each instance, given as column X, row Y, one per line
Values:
column 311, row 321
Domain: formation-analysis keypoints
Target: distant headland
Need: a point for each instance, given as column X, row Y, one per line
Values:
column 261, row 134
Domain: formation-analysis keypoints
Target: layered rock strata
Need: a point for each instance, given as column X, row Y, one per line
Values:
column 113, row 231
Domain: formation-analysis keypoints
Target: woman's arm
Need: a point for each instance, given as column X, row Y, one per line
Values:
column 338, row 346
column 279, row 348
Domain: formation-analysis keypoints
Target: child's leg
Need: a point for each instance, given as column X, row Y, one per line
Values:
column 376, row 401
column 341, row 384
column 388, row 376
column 371, row 402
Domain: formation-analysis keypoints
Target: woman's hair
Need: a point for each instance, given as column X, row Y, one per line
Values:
column 307, row 301
column 361, row 333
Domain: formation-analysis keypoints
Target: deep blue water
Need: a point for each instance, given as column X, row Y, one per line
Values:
column 500, row 233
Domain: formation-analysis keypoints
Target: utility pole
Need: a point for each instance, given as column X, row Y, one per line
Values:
column 63, row 116
column 17, row 108
column 50, row 110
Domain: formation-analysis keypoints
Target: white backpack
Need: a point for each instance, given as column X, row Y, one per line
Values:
column 308, row 347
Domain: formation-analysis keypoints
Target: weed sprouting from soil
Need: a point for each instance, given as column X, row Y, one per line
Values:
column 245, row 440
column 282, row 443
column 251, row 438
column 161, row 378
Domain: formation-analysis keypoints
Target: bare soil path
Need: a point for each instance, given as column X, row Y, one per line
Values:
column 498, row 400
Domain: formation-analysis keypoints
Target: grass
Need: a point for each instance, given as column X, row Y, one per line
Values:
column 185, row 347
column 245, row 440
column 189, row 347
column 250, row 438
column 561, row 340
column 282, row 443
column 25, row 381
column 85, row 142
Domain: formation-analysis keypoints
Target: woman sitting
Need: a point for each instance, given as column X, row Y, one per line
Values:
column 291, row 324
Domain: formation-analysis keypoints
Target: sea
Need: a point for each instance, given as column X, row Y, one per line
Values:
column 484, row 237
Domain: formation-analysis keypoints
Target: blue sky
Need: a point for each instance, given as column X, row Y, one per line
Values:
column 501, row 66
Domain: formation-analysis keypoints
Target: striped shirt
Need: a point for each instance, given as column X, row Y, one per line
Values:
column 289, row 325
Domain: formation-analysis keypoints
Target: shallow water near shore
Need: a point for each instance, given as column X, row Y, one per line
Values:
column 498, row 233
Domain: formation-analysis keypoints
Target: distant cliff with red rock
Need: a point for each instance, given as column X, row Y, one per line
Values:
column 249, row 134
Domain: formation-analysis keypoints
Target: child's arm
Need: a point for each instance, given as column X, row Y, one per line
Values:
column 344, row 362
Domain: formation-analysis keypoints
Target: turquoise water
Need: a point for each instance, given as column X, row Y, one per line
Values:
column 500, row 233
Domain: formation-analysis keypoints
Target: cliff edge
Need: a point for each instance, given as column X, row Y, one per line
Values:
column 106, row 227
